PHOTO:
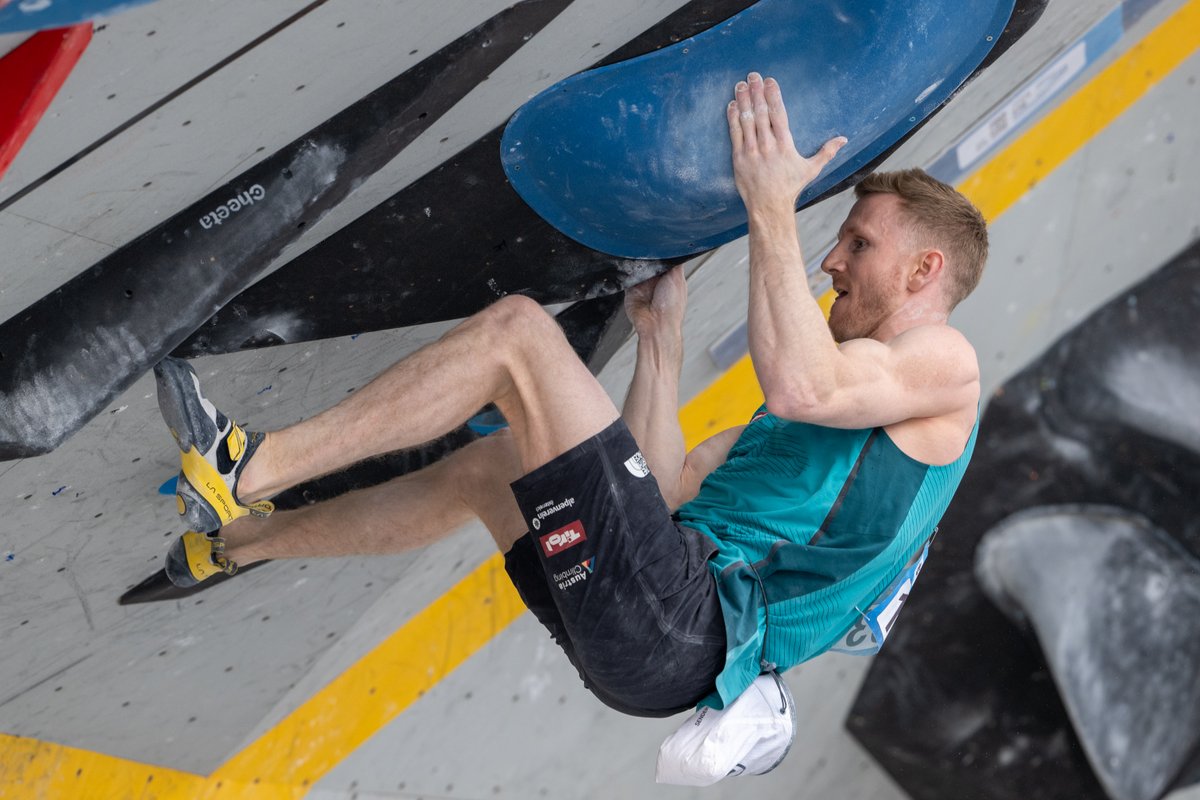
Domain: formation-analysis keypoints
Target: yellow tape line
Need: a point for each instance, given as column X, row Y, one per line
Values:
column 1019, row 167
column 29, row 768
column 290, row 758
column 286, row 761
column 318, row 735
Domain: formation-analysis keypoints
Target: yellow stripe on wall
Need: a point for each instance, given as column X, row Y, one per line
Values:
column 290, row 758
column 331, row 725
column 1016, row 169
column 47, row 770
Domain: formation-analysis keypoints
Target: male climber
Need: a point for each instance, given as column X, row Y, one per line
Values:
column 669, row 578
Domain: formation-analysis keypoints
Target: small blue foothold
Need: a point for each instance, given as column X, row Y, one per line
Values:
column 355, row 336
column 9, row 556
column 487, row 423
column 265, row 390
column 58, row 491
column 169, row 486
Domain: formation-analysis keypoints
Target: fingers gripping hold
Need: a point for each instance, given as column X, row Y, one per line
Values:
column 777, row 112
column 746, row 116
column 767, row 168
column 735, row 125
column 761, row 113
column 757, row 118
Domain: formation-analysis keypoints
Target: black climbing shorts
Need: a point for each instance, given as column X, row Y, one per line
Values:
column 623, row 588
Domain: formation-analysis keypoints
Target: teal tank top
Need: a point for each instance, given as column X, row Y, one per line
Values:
column 811, row 525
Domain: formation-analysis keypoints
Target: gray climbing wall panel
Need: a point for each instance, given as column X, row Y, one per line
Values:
column 85, row 522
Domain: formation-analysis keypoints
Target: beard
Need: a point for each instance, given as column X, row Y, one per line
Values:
column 859, row 314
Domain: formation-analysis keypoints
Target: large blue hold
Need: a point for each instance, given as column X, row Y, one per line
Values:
column 633, row 159
column 32, row 15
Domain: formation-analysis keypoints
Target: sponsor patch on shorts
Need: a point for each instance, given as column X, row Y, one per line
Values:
column 637, row 466
column 563, row 538
column 548, row 508
column 576, row 574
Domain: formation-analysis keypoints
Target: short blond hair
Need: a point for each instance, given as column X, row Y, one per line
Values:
column 938, row 216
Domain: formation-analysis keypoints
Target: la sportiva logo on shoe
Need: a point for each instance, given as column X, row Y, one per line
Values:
column 564, row 538
column 215, row 494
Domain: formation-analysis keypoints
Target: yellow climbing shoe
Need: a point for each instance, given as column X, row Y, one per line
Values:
column 195, row 557
column 214, row 451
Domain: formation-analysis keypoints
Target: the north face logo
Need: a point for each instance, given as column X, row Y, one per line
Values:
column 637, row 466
column 565, row 537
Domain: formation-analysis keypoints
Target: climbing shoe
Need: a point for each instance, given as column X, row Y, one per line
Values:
column 195, row 557
column 214, row 451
